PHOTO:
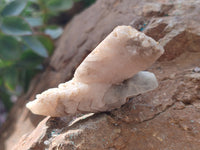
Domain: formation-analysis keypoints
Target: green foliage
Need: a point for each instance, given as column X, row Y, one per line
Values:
column 26, row 39
column 14, row 8
column 33, row 43
column 14, row 25
column 56, row 5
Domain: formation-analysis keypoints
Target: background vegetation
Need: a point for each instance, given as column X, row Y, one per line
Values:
column 27, row 34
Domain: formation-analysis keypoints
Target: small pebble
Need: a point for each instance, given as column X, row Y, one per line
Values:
column 46, row 142
column 192, row 121
column 196, row 69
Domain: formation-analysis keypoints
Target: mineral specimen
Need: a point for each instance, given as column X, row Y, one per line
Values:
column 106, row 78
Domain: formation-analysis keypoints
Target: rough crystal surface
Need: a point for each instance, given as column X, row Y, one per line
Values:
column 105, row 79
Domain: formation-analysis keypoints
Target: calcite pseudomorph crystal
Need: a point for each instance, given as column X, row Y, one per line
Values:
column 106, row 78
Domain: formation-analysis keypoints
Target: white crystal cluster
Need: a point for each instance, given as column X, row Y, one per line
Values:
column 106, row 78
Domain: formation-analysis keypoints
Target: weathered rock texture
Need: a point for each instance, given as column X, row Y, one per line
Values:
column 166, row 118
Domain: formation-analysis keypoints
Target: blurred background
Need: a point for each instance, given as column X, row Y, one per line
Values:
column 29, row 30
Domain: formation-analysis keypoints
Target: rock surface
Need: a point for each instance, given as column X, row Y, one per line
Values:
column 167, row 118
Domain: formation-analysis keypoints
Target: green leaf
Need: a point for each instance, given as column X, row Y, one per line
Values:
column 30, row 11
column 26, row 77
column 47, row 42
column 14, row 8
column 5, row 64
column 2, row 4
column 88, row 2
column 77, row 0
column 54, row 32
column 5, row 97
column 34, row 22
column 35, row 45
column 1, row 81
column 10, row 79
column 29, row 60
column 34, row 1
column 10, row 48
column 15, row 26
column 59, row 5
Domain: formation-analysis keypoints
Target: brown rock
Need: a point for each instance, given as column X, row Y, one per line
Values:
column 151, row 121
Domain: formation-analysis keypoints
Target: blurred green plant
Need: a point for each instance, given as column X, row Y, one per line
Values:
column 26, row 40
